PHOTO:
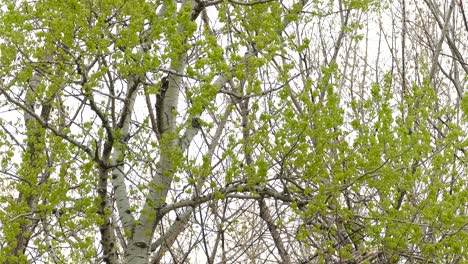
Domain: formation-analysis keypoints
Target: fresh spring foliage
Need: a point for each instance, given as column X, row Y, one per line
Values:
column 232, row 131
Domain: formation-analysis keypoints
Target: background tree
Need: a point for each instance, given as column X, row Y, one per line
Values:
column 233, row 131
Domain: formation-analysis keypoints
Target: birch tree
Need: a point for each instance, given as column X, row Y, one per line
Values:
column 233, row 131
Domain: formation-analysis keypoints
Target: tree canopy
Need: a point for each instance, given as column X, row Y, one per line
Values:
column 233, row 131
